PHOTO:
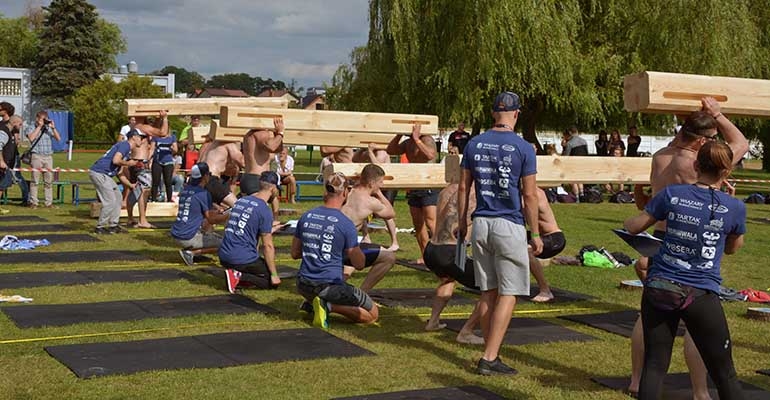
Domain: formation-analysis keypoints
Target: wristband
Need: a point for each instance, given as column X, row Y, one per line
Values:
column 274, row 275
column 535, row 235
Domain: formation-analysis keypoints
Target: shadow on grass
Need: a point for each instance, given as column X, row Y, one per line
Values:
column 757, row 347
column 446, row 380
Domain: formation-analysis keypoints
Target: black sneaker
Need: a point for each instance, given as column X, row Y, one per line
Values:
column 102, row 231
column 118, row 229
column 306, row 307
column 495, row 367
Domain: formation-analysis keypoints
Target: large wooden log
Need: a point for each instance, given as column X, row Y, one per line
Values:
column 305, row 137
column 663, row 92
column 154, row 209
column 205, row 106
column 333, row 121
column 552, row 171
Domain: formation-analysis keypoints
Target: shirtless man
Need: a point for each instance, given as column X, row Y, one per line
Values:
column 157, row 127
column 140, row 179
column 376, row 155
column 218, row 155
column 553, row 244
column 338, row 154
column 258, row 149
column 422, row 203
column 366, row 199
column 674, row 165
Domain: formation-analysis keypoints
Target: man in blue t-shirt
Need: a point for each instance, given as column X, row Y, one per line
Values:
column 102, row 175
column 192, row 228
column 503, row 168
column 251, row 219
column 325, row 236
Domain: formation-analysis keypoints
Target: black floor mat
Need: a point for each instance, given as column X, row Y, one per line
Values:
column 55, row 238
column 764, row 372
column 529, row 331
column 678, row 387
column 17, row 230
column 21, row 218
column 66, row 257
column 35, row 279
column 202, row 351
column 618, row 322
column 285, row 231
column 412, row 297
column 560, row 295
column 284, row 272
column 34, row 316
column 406, row 263
column 454, row 393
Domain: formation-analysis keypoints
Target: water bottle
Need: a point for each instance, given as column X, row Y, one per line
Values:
column 609, row 256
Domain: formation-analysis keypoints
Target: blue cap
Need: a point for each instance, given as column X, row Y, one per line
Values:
column 506, row 101
column 272, row 178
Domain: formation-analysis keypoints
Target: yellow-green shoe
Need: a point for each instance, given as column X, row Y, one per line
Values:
column 320, row 314
column 4, row 211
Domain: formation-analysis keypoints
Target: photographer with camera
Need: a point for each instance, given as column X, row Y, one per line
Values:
column 41, row 151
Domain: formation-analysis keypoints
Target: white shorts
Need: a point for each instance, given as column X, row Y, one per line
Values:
column 500, row 256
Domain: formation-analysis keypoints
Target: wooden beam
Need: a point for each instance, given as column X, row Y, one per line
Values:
column 552, row 171
column 452, row 170
column 663, row 92
column 154, row 209
column 205, row 106
column 306, row 137
column 334, row 121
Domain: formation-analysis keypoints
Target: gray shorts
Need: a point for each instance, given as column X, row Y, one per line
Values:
column 500, row 256
column 201, row 240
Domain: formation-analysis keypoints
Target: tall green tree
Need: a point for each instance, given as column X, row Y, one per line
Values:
column 97, row 106
column 184, row 81
column 18, row 46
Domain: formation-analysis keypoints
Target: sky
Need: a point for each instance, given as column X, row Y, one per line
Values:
column 303, row 40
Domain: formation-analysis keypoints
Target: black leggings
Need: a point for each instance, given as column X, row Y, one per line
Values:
column 168, row 172
column 705, row 320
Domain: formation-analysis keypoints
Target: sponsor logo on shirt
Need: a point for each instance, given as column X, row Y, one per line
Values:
column 687, row 203
column 508, row 147
column 710, row 238
column 311, row 236
column 675, row 261
column 708, row 252
column 683, row 218
column 485, row 170
column 719, row 209
column 332, row 218
column 682, row 234
column 680, row 249
column 715, row 225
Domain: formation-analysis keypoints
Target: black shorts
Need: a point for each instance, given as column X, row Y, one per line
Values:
column 422, row 198
column 441, row 260
column 249, row 184
column 659, row 234
column 255, row 273
column 370, row 250
column 341, row 294
column 553, row 244
column 218, row 189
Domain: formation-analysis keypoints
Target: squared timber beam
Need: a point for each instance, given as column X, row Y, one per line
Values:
column 155, row 209
column 333, row 121
column 305, row 137
column 663, row 92
column 205, row 106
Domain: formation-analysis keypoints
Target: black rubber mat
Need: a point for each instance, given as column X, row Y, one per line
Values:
column 618, row 322
column 678, row 387
column 66, row 257
column 412, row 297
column 560, row 295
column 16, row 230
column 21, row 218
column 35, row 279
column 285, row 231
column 202, row 351
column 529, row 331
column 34, row 316
column 62, row 237
column 406, row 263
column 284, row 272
column 764, row 372
column 454, row 393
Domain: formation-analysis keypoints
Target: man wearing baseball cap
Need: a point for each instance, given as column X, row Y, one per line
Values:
column 192, row 228
column 325, row 236
column 503, row 168
column 251, row 219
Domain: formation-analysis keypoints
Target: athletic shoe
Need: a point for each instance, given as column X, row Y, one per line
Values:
column 4, row 211
column 495, row 367
column 102, row 231
column 320, row 314
column 117, row 229
column 306, row 307
column 233, row 277
column 188, row 257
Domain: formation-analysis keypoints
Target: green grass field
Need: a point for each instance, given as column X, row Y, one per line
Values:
column 406, row 356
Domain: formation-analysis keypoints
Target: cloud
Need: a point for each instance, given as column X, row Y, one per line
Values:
column 303, row 71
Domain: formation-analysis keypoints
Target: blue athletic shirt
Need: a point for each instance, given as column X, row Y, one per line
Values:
column 250, row 217
column 163, row 149
column 325, row 233
column 497, row 160
column 194, row 201
column 694, row 242
column 104, row 164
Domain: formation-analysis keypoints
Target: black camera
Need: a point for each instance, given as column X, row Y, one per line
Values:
column 46, row 121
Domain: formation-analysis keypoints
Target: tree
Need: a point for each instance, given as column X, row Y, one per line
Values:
column 240, row 81
column 19, row 44
column 75, row 48
column 97, row 107
column 185, row 81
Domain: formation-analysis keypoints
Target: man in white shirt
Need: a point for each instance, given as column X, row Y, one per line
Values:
column 127, row 128
column 285, row 169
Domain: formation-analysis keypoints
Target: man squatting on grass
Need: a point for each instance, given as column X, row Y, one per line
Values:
column 251, row 219
column 193, row 229
column 323, row 237
column 674, row 165
column 503, row 168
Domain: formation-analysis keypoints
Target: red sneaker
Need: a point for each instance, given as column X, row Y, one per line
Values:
column 233, row 277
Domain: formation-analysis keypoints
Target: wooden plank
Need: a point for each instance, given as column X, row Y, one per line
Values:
column 306, row 137
column 552, row 171
column 206, row 106
column 321, row 120
column 154, row 209
column 663, row 92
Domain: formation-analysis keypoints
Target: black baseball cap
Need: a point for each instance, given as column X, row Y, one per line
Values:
column 506, row 101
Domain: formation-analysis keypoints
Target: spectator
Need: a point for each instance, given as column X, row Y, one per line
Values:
column 163, row 165
column 574, row 145
column 126, row 128
column 459, row 138
column 616, row 152
column 616, row 141
column 634, row 140
column 8, row 148
column 285, row 169
column 177, row 182
column 602, row 144
column 191, row 156
column 42, row 137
